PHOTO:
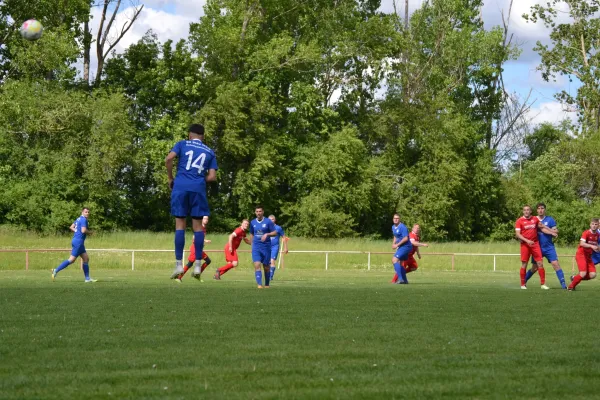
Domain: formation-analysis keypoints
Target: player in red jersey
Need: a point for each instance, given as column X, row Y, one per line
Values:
column 231, row 256
column 192, row 256
column 526, row 230
column 587, row 245
column 410, row 264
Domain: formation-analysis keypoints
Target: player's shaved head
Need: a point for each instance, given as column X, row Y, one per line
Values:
column 196, row 129
column 595, row 220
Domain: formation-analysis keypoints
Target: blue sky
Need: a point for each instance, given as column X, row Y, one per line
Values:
column 170, row 19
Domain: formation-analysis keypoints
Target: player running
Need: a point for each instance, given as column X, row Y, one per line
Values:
column 192, row 256
column 261, row 230
column 526, row 230
column 196, row 165
column 275, row 245
column 231, row 256
column 547, row 230
column 81, row 230
column 410, row 264
column 403, row 247
column 587, row 245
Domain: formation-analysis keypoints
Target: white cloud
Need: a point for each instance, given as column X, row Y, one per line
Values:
column 552, row 111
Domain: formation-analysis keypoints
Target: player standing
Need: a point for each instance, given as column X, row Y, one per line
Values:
column 234, row 241
column 547, row 230
column 526, row 230
column 196, row 165
column 410, row 264
column 261, row 230
column 275, row 245
column 192, row 256
column 587, row 244
column 402, row 245
column 81, row 230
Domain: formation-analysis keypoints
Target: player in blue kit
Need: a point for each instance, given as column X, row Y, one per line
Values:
column 547, row 231
column 196, row 165
column 402, row 245
column 261, row 231
column 275, row 245
column 595, row 258
column 81, row 230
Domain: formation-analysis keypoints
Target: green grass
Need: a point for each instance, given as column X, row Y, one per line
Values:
column 337, row 334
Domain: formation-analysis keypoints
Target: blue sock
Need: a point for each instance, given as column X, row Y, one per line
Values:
column 272, row 273
column 561, row 278
column 399, row 271
column 199, row 244
column 62, row 266
column 403, row 271
column 258, row 275
column 528, row 275
column 267, row 277
column 86, row 270
column 179, row 244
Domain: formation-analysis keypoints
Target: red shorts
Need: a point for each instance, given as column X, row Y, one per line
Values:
column 410, row 264
column 585, row 263
column 528, row 251
column 230, row 257
column 192, row 256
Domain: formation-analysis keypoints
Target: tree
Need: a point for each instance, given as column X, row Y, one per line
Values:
column 574, row 53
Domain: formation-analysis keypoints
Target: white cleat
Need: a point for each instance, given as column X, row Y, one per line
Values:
column 91, row 280
column 178, row 270
column 544, row 287
column 524, row 287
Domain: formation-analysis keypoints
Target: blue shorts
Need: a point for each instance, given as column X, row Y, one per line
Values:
column 274, row 252
column 77, row 249
column 549, row 253
column 261, row 254
column 595, row 258
column 192, row 204
column 402, row 253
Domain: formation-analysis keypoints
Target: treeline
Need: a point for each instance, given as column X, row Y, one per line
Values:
column 333, row 115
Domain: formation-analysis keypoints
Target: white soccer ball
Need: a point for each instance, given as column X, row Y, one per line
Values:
column 31, row 29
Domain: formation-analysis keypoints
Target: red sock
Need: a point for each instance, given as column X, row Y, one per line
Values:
column 185, row 269
column 523, row 273
column 542, row 273
column 575, row 282
column 225, row 268
column 203, row 267
column 395, row 278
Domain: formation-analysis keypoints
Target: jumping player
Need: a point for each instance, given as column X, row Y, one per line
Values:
column 81, row 230
column 231, row 256
column 402, row 245
column 275, row 245
column 526, row 230
column 192, row 256
column 587, row 245
column 547, row 230
column 410, row 264
column 196, row 165
column 261, row 230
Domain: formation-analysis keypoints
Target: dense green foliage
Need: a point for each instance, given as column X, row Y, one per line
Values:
column 331, row 114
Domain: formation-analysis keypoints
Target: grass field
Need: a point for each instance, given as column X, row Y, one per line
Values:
column 339, row 334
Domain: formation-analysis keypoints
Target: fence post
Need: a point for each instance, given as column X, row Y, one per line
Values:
column 132, row 260
column 369, row 262
column 573, row 264
column 494, row 263
column 26, row 261
column 326, row 261
column 452, row 262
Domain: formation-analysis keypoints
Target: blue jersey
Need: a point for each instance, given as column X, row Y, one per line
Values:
column 79, row 223
column 400, row 232
column 259, row 228
column 280, row 234
column 545, row 239
column 194, row 160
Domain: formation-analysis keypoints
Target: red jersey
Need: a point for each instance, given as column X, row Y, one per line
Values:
column 240, row 234
column 413, row 236
column 588, row 237
column 527, row 227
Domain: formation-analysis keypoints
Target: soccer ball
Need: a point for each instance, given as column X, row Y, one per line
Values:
column 31, row 29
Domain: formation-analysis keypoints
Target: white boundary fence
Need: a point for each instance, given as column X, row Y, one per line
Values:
column 282, row 256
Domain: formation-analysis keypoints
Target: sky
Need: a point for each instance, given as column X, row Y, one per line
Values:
column 170, row 19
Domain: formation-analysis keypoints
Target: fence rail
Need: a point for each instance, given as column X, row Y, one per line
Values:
column 282, row 255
